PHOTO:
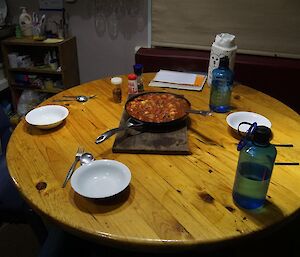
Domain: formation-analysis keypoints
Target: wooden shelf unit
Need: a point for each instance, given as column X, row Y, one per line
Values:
column 66, row 54
column 35, row 70
column 43, row 90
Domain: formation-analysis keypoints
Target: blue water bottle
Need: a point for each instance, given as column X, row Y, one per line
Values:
column 221, row 87
column 254, row 170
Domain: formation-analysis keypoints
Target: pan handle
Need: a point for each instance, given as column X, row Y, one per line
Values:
column 108, row 134
column 128, row 124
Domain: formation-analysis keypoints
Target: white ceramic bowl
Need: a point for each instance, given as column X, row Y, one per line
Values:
column 234, row 119
column 101, row 179
column 47, row 117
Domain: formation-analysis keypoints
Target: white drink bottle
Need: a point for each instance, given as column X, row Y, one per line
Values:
column 25, row 22
column 223, row 45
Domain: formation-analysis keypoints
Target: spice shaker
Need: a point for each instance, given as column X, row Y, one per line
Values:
column 138, row 71
column 132, row 84
column 117, row 90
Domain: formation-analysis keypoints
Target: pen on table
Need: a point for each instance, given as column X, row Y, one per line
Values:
column 284, row 145
column 286, row 163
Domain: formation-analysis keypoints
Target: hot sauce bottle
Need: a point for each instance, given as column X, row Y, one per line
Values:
column 132, row 84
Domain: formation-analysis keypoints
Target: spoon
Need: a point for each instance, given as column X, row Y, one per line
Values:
column 86, row 158
column 79, row 98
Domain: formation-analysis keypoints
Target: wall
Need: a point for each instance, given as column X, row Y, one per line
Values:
column 264, row 73
column 100, row 54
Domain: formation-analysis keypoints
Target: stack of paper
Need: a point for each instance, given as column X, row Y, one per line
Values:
column 53, row 40
column 180, row 80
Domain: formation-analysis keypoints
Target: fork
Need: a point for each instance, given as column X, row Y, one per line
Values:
column 76, row 96
column 78, row 154
column 204, row 113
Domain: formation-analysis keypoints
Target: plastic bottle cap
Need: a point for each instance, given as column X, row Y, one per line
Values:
column 262, row 135
column 116, row 80
column 132, row 76
column 225, row 40
column 138, row 69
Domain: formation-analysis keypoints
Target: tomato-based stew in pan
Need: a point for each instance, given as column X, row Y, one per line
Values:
column 157, row 107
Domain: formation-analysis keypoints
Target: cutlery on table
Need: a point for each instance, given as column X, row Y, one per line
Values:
column 66, row 100
column 284, row 145
column 286, row 163
column 78, row 154
column 79, row 98
column 76, row 96
column 202, row 112
column 86, row 158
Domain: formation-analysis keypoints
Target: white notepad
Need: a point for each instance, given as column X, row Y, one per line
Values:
column 180, row 80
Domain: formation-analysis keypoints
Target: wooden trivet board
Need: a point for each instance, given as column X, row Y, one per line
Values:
column 163, row 141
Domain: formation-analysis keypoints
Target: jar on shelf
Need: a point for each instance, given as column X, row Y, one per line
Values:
column 48, row 83
column 53, row 64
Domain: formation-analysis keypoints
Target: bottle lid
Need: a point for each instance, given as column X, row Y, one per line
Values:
column 225, row 40
column 138, row 69
column 262, row 135
column 224, row 62
column 132, row 76
column 116, row 80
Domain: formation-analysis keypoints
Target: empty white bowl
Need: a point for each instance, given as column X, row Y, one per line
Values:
column 101, row 179
column 47, row 117
column 234, row 119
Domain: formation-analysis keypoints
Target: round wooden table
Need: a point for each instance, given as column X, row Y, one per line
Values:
column 181, row 200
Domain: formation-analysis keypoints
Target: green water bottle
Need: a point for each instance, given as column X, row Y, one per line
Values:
column 254, row 169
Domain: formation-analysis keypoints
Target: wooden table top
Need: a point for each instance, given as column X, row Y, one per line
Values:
column 172, row 200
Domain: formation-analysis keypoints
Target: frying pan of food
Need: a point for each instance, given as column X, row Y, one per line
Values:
column 154, row 109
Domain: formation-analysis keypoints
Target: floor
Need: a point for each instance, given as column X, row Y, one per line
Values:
column 20, row 241
column 17, row 241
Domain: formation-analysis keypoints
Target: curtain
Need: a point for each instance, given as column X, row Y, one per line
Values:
column 268, row 27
